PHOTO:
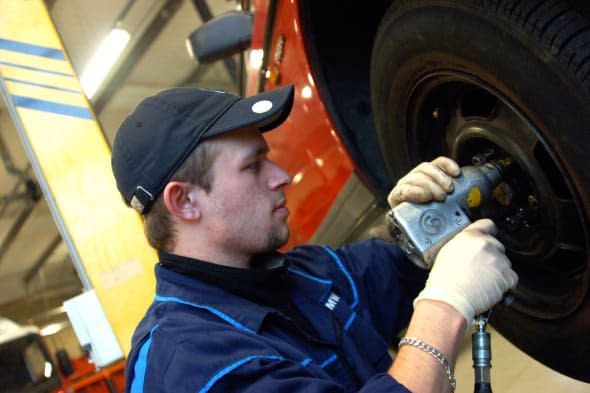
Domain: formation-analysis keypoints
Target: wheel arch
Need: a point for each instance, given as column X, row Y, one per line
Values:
column 339, row 37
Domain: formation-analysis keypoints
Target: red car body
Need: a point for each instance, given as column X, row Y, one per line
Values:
column 322, row 165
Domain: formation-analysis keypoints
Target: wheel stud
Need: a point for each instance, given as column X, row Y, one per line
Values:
column 516, row 220
column 533, row 203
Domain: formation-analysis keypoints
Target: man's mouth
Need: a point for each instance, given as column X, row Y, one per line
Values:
column 281, row 208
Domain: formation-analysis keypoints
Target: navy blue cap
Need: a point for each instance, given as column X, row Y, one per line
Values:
column 153, row 141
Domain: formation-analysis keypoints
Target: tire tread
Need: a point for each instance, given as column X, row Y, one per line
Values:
column 561, row 30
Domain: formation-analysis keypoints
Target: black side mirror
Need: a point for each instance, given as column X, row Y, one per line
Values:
column 221, row 37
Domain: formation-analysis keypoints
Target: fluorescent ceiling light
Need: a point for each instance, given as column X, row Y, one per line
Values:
column 256, row 58
column 48, row 370
column 103, row 60
column 52, row 328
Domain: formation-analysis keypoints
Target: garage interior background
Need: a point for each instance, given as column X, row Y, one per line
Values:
column 36, row 272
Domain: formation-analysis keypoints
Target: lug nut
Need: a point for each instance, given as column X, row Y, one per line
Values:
column 503, row 194
column 533, row 203
column 516, row 220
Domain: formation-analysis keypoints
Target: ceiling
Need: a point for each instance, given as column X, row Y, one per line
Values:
column 36, row 272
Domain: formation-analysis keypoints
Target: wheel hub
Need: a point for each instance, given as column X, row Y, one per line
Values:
column 535, row 208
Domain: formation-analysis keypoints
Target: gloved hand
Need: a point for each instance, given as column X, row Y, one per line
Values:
column 471, row 272
column 426, row 182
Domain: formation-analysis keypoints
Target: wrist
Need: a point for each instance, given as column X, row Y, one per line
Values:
column 441, row 327
column 448, row 298
column 442, row 314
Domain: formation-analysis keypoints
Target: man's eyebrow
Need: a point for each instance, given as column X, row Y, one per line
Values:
column 259, row 150
column 256, row 152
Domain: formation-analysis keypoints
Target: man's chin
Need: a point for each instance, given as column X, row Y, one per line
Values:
column 279, row 238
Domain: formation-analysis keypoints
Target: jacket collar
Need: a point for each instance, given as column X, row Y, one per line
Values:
column 237, row 306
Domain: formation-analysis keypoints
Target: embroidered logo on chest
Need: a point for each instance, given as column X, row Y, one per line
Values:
column 332, row 301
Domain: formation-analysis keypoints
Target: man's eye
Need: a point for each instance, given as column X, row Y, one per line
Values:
column 254, row 166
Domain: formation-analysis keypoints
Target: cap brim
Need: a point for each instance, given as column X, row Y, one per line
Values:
column 265, row 111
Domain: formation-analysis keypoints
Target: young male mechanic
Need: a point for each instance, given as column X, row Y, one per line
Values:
column 231, row 314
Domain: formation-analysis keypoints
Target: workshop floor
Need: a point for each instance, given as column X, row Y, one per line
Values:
column 513, row 371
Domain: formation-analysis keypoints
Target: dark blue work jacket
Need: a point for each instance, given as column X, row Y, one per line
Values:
column 200, row 338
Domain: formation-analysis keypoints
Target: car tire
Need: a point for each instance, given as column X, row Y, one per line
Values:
column 504, row 79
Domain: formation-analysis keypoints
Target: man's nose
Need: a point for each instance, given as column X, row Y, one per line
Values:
column 279, row 178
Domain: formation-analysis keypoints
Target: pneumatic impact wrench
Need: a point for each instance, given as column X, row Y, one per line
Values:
column 422, row 229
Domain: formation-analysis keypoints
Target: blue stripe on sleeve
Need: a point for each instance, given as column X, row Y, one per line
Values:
column 348, row 276
column 351, row 318
column 215, row 311
column 140, row 366
column 309, row 276
column 232, row 367
column 331, row 359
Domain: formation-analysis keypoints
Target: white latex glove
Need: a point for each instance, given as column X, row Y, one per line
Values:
column 471, row 272
column 426, row 182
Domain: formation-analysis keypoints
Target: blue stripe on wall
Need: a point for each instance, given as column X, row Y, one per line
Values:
column 42, row 85
column 8, row 64
column 31, row 49
column 52, row 107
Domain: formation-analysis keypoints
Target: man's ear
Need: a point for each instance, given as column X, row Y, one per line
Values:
column 181, row 201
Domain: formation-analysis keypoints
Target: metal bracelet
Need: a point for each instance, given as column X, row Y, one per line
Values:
column 434, row 353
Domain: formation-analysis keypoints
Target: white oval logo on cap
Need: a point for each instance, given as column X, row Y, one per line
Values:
column 262, row 106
